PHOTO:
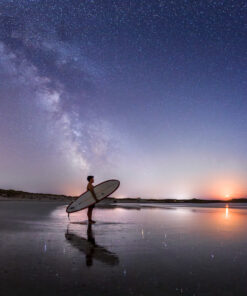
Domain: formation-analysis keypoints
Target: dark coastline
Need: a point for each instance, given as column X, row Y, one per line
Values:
column 22, row 195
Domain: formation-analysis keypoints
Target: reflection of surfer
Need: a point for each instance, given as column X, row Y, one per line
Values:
column 90, row 187
column 91, row 246
column 91, row 249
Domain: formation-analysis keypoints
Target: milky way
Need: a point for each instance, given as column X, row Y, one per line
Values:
column 150, row 92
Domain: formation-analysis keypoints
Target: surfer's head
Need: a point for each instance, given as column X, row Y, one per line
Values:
column 90, row 179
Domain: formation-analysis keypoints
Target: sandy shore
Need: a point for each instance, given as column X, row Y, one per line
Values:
column 152, row 251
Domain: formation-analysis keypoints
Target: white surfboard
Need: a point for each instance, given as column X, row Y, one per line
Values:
column 85, row 200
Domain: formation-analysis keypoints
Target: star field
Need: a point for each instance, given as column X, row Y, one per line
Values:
column 150, row 92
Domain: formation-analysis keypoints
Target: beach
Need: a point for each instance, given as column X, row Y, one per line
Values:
column 168, row 250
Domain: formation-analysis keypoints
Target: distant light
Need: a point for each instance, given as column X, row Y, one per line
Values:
column 227, row 195
column 183, row 196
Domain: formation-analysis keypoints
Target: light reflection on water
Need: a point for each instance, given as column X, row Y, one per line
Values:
column 159, row 251
column 227, row 212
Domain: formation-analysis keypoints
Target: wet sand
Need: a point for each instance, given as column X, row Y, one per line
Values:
column 174, row 250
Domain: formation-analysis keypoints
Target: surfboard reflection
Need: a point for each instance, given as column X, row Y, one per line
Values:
column 90, row 248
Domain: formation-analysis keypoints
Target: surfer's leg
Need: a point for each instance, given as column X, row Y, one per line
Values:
column 89, row 214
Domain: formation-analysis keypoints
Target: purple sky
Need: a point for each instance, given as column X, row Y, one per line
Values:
column 152, row 93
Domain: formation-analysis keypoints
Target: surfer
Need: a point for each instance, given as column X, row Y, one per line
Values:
column 90, row 187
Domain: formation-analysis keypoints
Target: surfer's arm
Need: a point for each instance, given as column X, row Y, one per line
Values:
column 93, row 193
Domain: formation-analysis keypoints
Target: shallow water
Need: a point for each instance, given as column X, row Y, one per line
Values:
column 170, row 250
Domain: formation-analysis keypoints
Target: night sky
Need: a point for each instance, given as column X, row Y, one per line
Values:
column 152, row 93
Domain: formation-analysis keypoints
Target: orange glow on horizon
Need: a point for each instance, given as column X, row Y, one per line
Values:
column 226, row 188
column 215, row 187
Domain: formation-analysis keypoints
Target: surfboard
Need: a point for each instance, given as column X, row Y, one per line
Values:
column 86, row 199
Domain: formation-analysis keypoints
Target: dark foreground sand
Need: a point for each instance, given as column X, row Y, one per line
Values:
column 143, row 251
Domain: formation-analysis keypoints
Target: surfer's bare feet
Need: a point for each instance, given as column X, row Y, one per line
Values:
column 91, row 221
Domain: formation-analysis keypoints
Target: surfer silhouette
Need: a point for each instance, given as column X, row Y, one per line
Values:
column 90, row 187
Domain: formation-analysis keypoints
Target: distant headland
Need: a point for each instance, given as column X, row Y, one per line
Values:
column 22, row 195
